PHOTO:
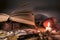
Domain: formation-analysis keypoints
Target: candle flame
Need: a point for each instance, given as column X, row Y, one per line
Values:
column 48, row 28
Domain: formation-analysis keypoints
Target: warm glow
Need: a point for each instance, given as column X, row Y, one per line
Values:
column 48, row 28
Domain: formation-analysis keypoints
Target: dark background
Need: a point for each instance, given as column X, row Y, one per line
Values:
column 49, row 8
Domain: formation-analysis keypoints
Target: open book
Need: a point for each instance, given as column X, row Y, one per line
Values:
column 26, row 18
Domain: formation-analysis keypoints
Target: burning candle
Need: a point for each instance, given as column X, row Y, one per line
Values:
column 48, row 28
